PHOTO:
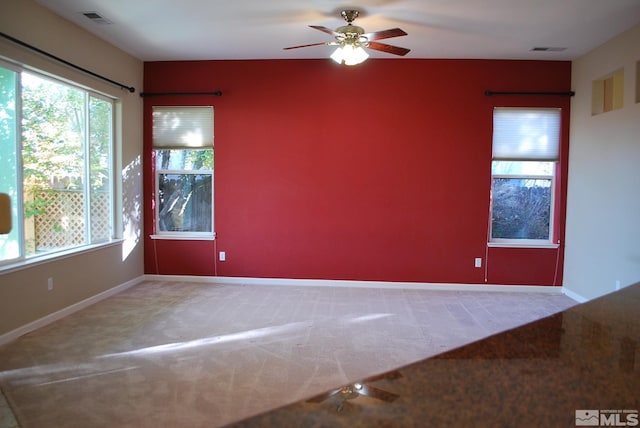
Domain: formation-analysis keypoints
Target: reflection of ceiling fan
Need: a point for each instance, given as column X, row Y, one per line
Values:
column 339, row 397
column 351, row 40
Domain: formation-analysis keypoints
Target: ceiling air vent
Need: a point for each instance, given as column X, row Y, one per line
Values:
column 97, row 18
column 547, row 49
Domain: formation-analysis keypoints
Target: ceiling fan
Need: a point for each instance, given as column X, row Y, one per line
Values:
column 351, row 40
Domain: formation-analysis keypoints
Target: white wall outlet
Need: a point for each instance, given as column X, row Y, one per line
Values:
column 478, row 262
column 617, row 284
column 222, row 256
column 50, row 284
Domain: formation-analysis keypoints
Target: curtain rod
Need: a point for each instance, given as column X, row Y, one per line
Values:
column 560, row 94
column 162, row 94
column 77, row 67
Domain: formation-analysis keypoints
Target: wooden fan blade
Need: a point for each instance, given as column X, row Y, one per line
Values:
column 385, row 34
column 373, row 392
column 325, row 30
column 388, row 48
column 305, row 46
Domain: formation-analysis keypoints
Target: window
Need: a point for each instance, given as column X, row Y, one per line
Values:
column 55, row 163
column 525, row 154
column 183, row 148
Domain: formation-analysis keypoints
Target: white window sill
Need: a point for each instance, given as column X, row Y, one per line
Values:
column 55, row 255
column 185, row 237
column 522, row 245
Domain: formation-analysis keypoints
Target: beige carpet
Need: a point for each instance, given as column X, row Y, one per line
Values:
column 168, row 354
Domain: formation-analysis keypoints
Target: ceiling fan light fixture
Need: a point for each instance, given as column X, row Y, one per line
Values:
column 349, row 54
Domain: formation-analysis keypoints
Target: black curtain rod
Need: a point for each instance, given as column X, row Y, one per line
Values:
column 77, row 67
column 559, row 94
column 164, row 94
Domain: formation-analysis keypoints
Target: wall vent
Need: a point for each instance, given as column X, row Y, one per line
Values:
column 97, row 18
column 548, row 49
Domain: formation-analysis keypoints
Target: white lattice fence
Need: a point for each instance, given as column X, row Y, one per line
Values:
column 63, row 224
column 100, row 215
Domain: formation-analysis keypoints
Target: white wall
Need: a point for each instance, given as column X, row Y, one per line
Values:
column 24, row 297
column 603, row 206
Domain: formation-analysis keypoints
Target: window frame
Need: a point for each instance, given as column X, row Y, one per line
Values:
column 182, row 235
column 552, row 177
column 18, row 206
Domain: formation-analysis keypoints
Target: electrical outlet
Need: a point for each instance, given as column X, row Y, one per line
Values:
column 478, row 262
column 222, row 256
column 617, row 284
column 50, row 284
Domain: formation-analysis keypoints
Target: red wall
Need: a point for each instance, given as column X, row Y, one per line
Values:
column 375, row 172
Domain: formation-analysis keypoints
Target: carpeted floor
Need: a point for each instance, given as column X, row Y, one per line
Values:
column 169, row 354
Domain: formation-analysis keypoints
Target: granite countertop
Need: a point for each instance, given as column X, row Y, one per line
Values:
column 576, row 368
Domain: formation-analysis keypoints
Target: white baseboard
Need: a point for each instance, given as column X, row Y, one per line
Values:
column 358, row 284
column 575, row 296
column 48, row 319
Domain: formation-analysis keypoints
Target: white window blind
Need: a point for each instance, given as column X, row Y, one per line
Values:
column 526, row 134
column 176, row 127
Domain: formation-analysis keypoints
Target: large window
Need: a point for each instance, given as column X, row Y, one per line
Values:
column 55, row 163
column 525, row 155
column 183, row 148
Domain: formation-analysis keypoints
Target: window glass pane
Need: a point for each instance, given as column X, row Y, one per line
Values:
column 185, row 202
column 100, row 169
column 53, row 122
column 521, row 208
column 522, row 168
column 184, row 160
column 9, row 243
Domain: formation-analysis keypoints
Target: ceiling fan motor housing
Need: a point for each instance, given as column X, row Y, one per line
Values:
column 350, row 34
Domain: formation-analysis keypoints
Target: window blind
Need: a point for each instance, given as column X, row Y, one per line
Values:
column 182, row 127
column 526, row 134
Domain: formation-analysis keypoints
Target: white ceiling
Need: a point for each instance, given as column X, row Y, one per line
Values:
column 155, row 30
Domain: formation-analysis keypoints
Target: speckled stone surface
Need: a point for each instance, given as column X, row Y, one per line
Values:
column 538, row 375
